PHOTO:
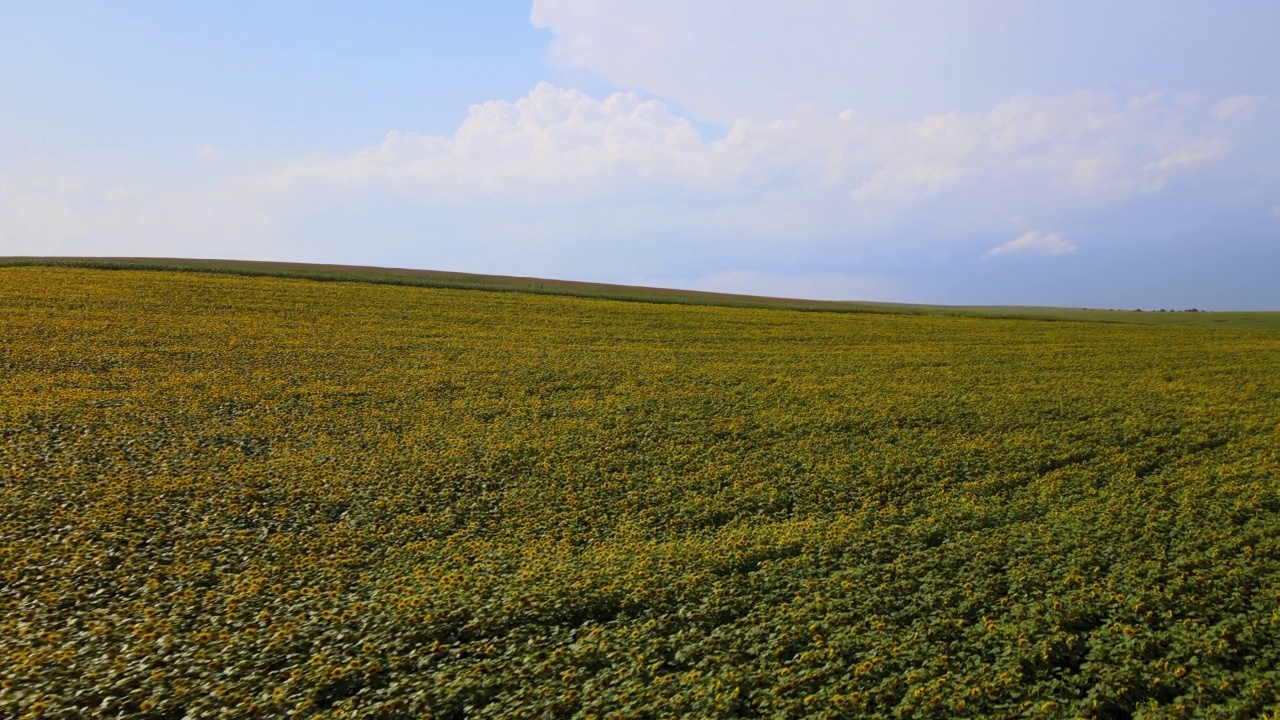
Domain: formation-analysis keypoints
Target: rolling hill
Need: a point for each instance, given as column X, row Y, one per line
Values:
column 248, row 493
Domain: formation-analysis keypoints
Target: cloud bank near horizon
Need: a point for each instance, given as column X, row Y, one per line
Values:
column 807, row 176
column 540, row 177
column 563, row 145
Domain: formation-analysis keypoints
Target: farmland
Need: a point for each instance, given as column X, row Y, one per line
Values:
column 259, row 496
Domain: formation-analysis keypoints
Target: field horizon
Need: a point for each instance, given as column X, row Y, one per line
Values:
column 1190, row 317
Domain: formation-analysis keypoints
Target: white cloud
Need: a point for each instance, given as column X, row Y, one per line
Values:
column 554, row 141
column 1239, row 105
column 1193, row 154
column 810, row 173
column 208, row 152
column 562, row 182
column 1035, row 242
column 65, row 213
column 1147, row 100
column 894, row 60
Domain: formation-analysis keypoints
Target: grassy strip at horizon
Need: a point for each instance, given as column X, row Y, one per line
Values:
column 1240, row 319
column 260, row 496
column 458, row 280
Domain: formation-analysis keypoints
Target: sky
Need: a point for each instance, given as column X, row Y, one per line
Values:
column 1013, row 152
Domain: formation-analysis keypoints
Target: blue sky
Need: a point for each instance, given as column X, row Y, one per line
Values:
column 993, row 151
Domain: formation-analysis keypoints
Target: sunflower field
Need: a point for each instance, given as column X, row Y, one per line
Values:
column 226, row 496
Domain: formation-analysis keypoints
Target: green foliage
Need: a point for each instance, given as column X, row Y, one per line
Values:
column 272, row 497
column 1252, row 320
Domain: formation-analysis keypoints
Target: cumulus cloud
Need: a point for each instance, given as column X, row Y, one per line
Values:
column 564, row 183
column 49, row 212
column 811, row 172
column 1035, row 242
column 1191, row 154
column 762, row 59
column 557, row 142
column 1237, row 106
